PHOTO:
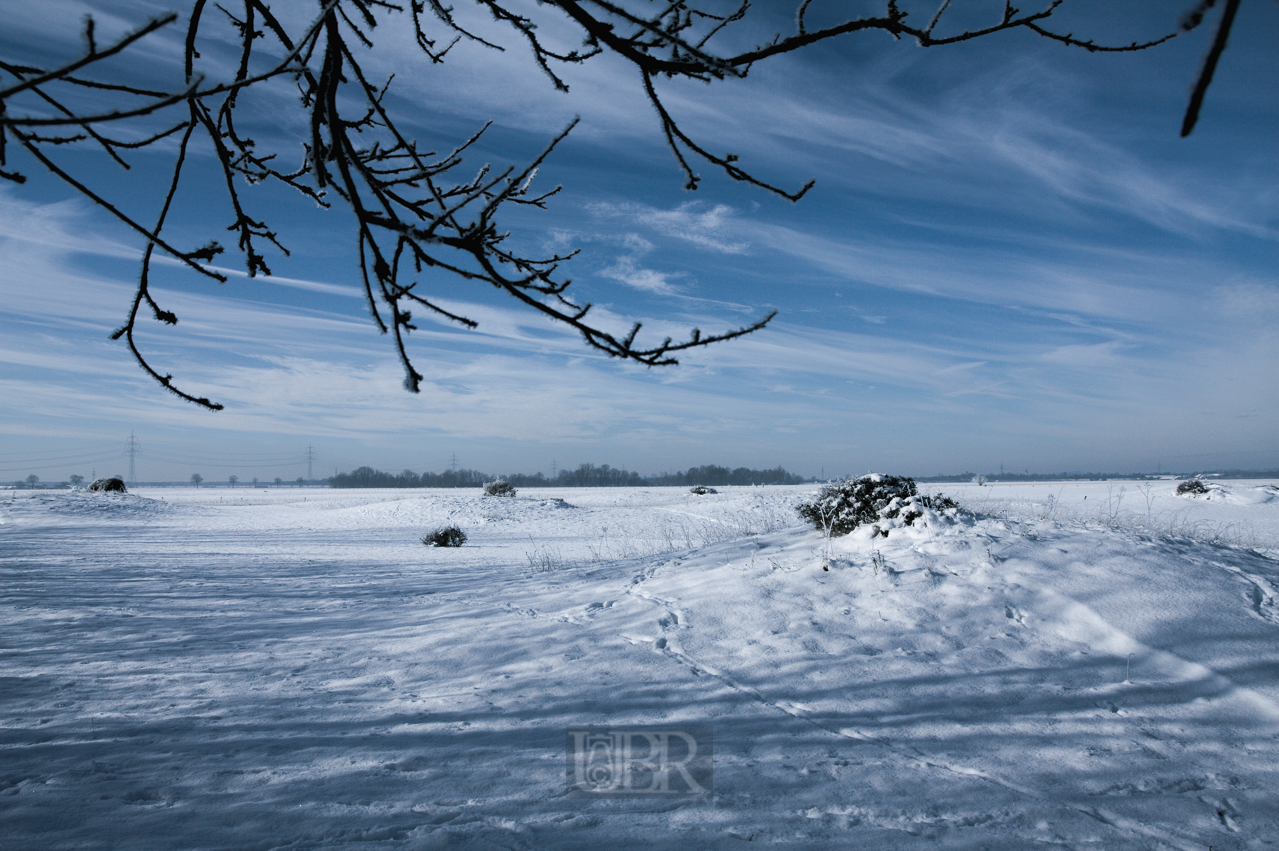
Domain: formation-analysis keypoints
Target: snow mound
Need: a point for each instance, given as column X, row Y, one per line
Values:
column 875, row 501
column 404, row 511
column 1234, row 495
column 1254, row 496
column 86, row 503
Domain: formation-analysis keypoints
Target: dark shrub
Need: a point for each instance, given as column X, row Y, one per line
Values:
column 701, row 490
column 445, row 536
column 1192, row 486
column 499, row 488
column 843, row 506
column 111, row 485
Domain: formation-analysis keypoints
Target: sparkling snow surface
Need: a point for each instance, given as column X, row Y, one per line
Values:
column 292, row 668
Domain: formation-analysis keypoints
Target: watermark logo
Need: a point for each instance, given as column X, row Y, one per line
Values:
column 667, row 761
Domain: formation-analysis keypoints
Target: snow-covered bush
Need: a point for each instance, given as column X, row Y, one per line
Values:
column 701, row 490
column 111, row 485
column 843, row 506
column 499, row 488
column 1192, row 486
column 445, row 536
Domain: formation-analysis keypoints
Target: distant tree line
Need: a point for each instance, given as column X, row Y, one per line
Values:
column 367, row 477
column 712, row 475
column 1099, row 477
column 586, row 475
column 1040, row 477
column 1234, row 474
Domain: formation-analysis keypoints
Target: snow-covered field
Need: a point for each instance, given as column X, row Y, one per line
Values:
column 259, row 669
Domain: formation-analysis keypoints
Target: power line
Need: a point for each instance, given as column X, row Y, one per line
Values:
column 237, row 459
column 310, row 459
column 132, row 449
column 252, row 463
column 55, row 457
column 190, row 457
column 92, row 459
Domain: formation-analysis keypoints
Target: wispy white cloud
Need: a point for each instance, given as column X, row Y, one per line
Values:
column 1019, row 149
column 709, row 227
column 1064, row 279
column 1251, row 302
column 628, row 272
column 1097, row 355
column 281, row 281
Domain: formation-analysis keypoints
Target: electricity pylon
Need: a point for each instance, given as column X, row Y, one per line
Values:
column 132, row 448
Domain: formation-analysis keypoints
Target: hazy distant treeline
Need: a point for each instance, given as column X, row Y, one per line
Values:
column 586, row 475
column 367, row 477
column 1097, row 477
column 1037, row 477
column 712, row 475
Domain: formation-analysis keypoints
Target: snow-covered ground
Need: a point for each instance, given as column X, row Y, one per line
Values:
column 292, row 668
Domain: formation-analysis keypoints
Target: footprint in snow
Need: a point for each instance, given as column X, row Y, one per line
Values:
column 597, row 607
column 1226, row 812
column 1260, row 600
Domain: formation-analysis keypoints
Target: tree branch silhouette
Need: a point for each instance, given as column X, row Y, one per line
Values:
column 411, row 210
column 1189, row 22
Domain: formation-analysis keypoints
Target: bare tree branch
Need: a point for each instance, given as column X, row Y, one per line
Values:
column 1210, row 61
column 410, row 211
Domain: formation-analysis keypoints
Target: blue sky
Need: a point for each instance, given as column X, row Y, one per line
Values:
column 1009, row 258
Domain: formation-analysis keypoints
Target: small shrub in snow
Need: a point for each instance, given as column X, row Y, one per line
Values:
column 701, row 490
column 499, row 488
column 1192, row 486
column 446, row 536
column 545, row 559
column 111, row 485
column 843, row 506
